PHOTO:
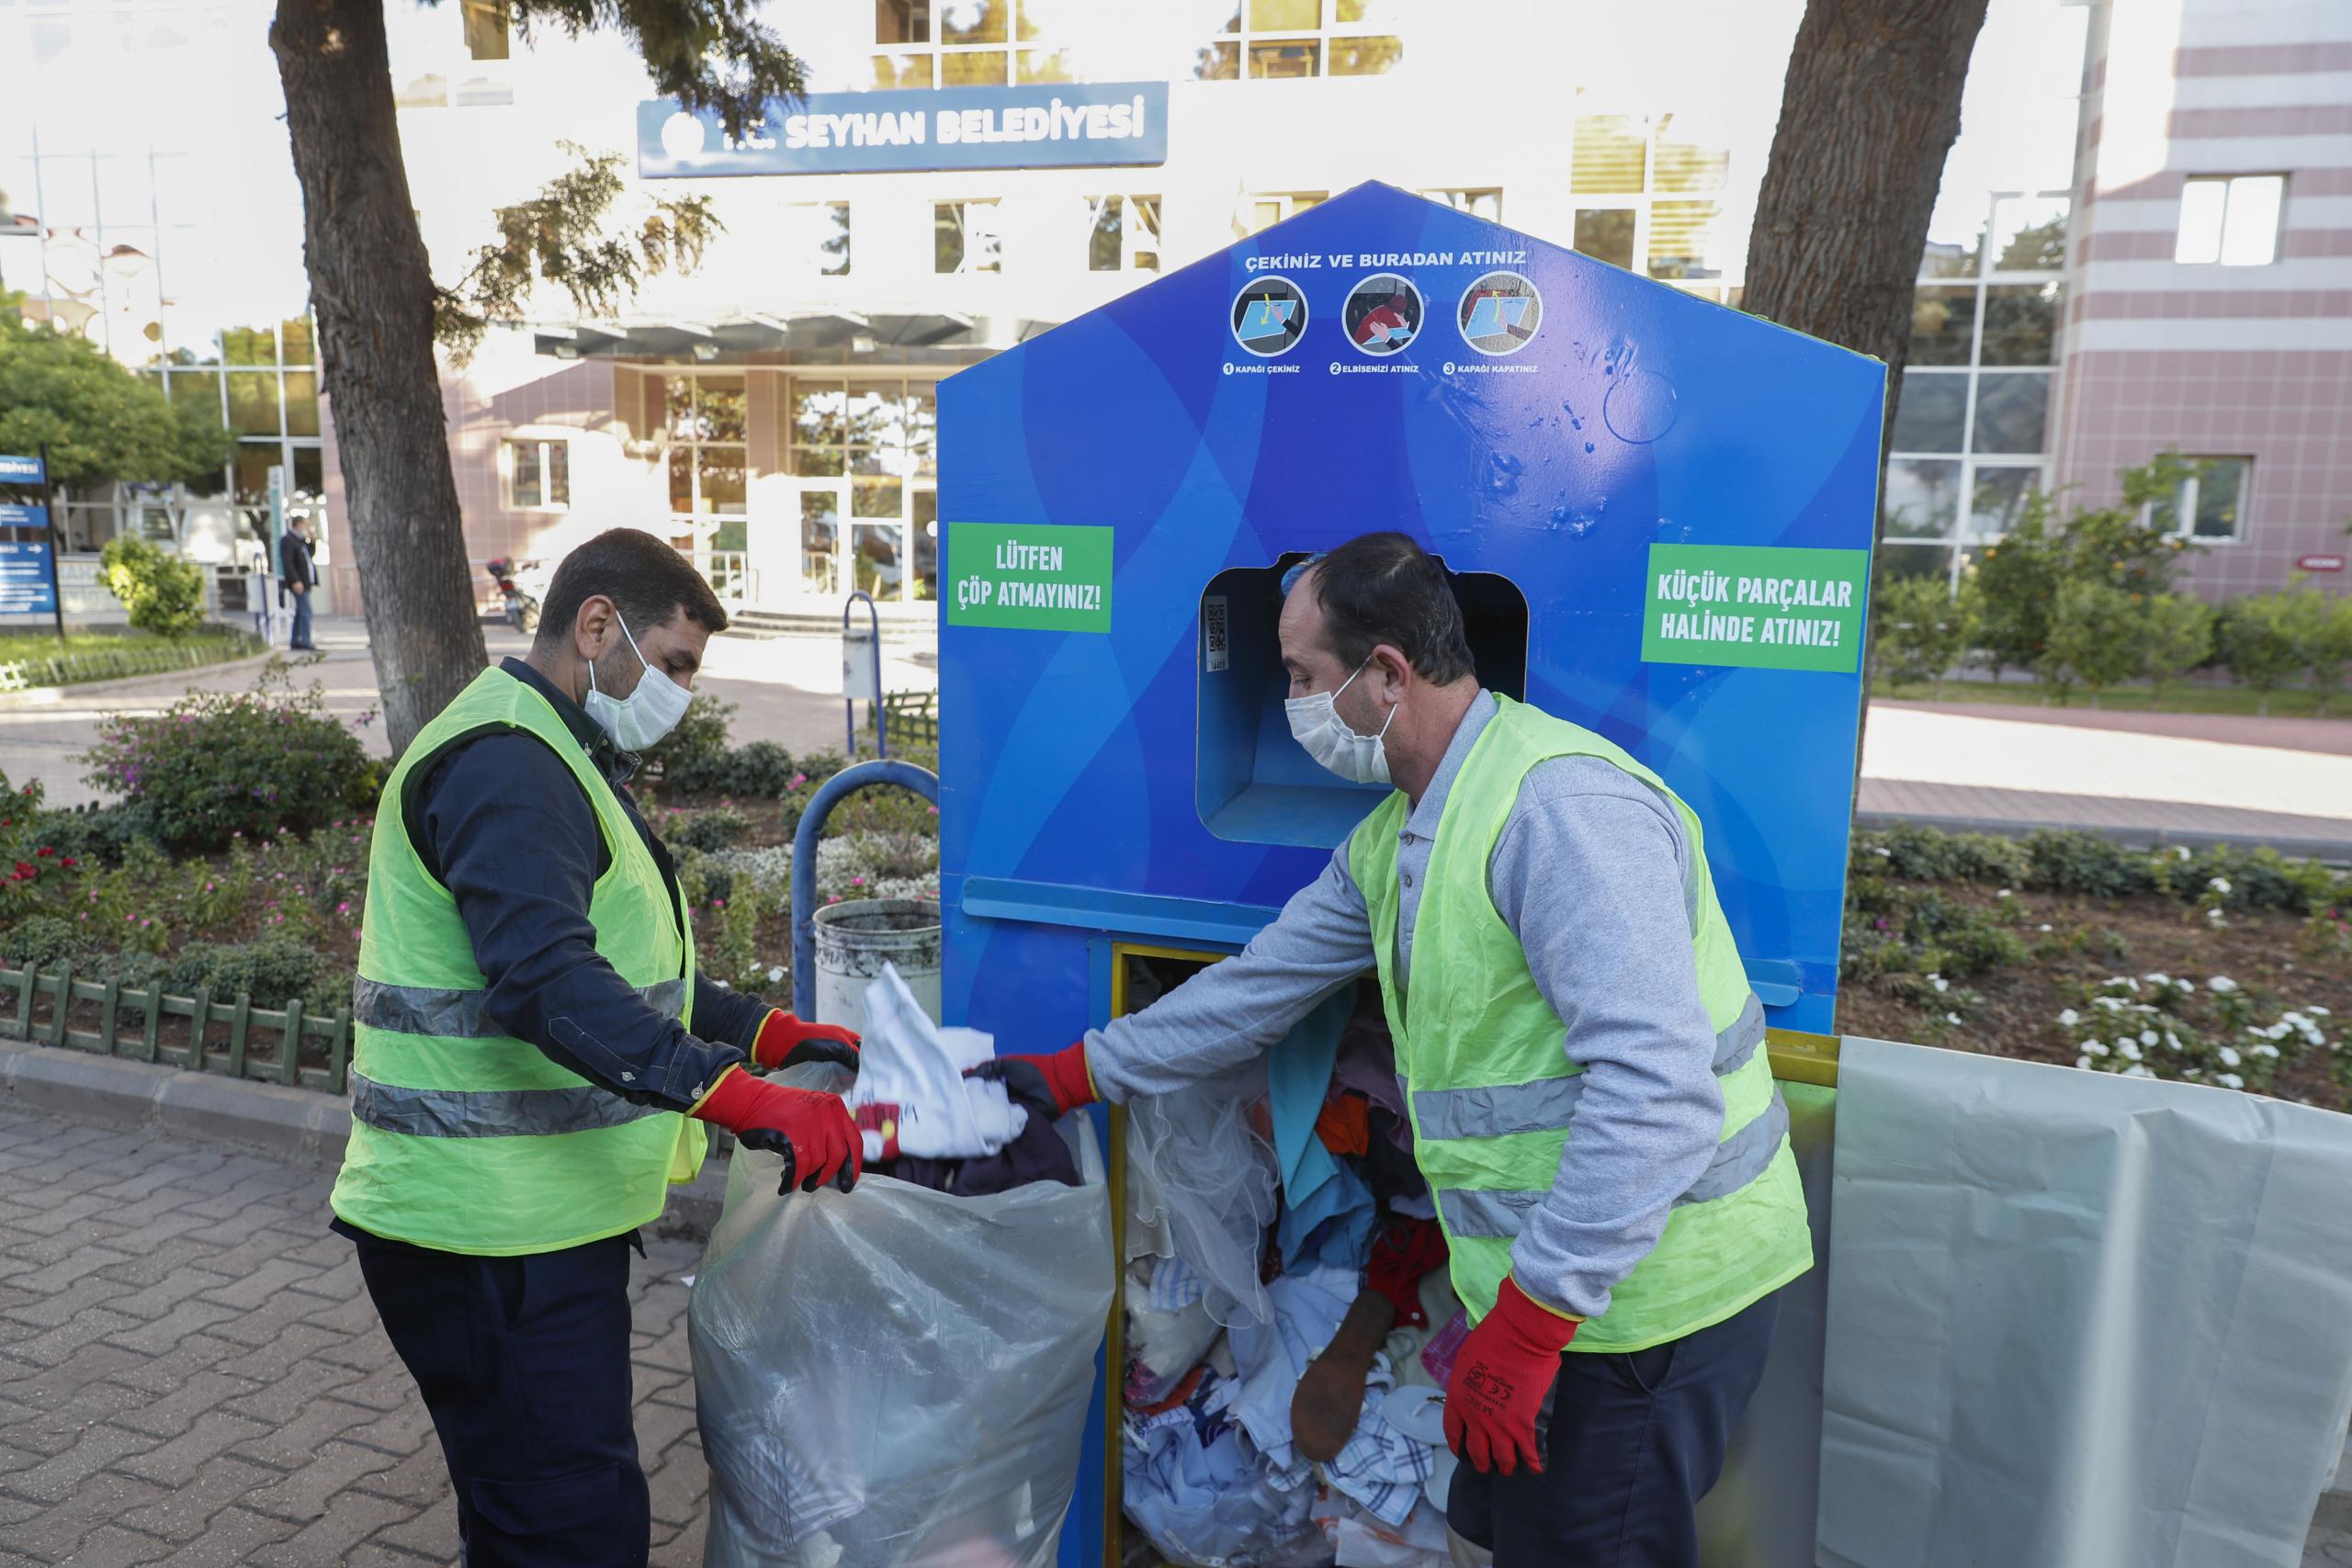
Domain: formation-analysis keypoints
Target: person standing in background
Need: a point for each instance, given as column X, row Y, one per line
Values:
column 297, row 574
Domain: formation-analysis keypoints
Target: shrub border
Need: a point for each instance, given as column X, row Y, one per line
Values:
column 76, row 669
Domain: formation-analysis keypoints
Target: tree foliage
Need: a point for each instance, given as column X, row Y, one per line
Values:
column 560, row 236
column 2177, row 636
column 164, row 593
column 2259, row 643
column 2095, row 636
column 101, row 421
column 1922, row 629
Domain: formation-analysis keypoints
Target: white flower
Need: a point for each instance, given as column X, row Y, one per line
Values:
column 2083, row 1061
column 2222, row 984
column 2187, row 987
column 2216, row 917
column 2157, row 977
column 2229, row 1057
column 2171, row 1041
column 2135, row 1071
column 2069, row 1017
column 2319, row 1012
column 2148, row 1037
column 2112, row 1004
column 2130, row 1051
column 2145, row 1008
column 2220, row 885
column 1881, row 854
column 1939, row 983
column 2093, row 1048
column 2267, row 1052
column 2181, row 850
column 2230, row 1080
column 2276, row 1031
column 775, row 973
column 722, row 984
column 1952, row 1017
column 2045, row 925
column 2003, row 894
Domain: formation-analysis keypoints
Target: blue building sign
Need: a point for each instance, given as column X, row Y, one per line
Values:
column 25, row 585
column 19, row 470
column 1061, row 126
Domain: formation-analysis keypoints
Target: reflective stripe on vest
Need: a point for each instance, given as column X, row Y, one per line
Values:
column 1739, row 1159
column 491, row 1112
column 1497, row 1111
column 463, row 1014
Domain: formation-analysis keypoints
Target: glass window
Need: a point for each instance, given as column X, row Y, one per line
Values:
column 1281, row 58
column 250, row 345
column 1606, row 234
column 1922, row 498
column 1898, row 560
column 2021, row 323
column 820, row 514
column 251, row 472
column 295, row 344
column 1945, row 259
column 1932, row 415
column 2232, row 219
column 301, row 402
column 923, row 428
column 819, row 232
column 974, row 68
column 1688, row 165
column 1047, row 65
column 718, row 408
column 1683, row 239
column 819, row 414
column 925, row 530
column 1998, row 498
column 901, row 21
column 974, row 21
column 964, row 237
column 1609, row 155
column 2212, row 500
column 875, row 495
column 197, row 389
column 126, row 194
column 1366, row 56
column 2012, row 410
column 902, row 70
column 252, row 402
column 310, row 482
column 1285, row 15
column 718, row 479
column 485, row 25
column 1124, row 234
column 2029, row 233
column 1943, row 323
column 538, row 475
column 1218, row 63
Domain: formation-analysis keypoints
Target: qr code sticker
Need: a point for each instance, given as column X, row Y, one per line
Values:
column 1213, row 626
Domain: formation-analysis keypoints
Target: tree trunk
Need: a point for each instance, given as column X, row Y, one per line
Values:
column 1868, row 111
column 371, row 285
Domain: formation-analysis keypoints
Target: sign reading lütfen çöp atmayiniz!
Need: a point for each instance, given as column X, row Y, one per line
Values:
column 1067, row 125
column 1758, row 607
column 1037, row 577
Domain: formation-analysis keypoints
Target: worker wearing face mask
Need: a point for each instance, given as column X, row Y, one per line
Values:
column 535, row 1057
column 1582, row 1057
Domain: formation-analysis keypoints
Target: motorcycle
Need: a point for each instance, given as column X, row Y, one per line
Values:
column 521, row 585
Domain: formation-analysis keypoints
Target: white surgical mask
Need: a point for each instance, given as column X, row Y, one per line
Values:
column 1315, row 724
column 646, row 714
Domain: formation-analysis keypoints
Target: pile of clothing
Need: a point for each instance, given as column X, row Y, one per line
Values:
column 1238, row 1293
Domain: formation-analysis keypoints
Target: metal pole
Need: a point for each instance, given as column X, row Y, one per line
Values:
column 56, row 545
column 849, row 781
column 849, row 703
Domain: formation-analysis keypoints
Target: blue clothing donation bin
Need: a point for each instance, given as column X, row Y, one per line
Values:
column 1658, row 512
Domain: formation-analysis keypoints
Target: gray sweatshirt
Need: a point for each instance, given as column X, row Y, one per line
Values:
column 1591, row 873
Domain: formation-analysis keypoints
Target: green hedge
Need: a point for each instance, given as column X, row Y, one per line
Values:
column 141, row 657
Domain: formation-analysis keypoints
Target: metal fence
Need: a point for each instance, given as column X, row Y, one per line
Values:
column 199, row 1034
column 914, row 716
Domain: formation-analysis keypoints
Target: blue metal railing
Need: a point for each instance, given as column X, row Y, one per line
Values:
column 848, row 781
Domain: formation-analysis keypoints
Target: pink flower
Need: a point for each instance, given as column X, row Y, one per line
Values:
column 342, row 908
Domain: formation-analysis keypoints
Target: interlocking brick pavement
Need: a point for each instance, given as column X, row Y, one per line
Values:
column 191, row 1372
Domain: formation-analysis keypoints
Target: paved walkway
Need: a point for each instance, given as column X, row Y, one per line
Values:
column 191, row 1372
column 786, row 689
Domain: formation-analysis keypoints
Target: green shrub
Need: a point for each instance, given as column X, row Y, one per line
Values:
column 2177, row 636
column 2260, row 641
column 2096, row 637
column 760, row 770
column 100, row 837
column 1916, row 854
column 710, row 829
column 2067, row 860
column 273, row 971
column 2321, row 627
column 42, row 941
column 164, row 593
column 1922, row 629
column 218, row 765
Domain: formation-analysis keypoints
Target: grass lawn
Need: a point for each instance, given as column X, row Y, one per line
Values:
column 2292, row 703
column 215, row 642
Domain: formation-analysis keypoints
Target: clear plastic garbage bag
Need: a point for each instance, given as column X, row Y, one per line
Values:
column 894, row 1378
column 1197, row 1169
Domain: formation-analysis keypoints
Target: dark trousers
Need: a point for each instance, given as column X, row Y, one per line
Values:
column 1634, row 1441
column 300, row 636
column 524, row 1365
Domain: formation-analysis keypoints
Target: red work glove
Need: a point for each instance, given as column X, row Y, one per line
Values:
column 1051, row 1086
column 1505, row 1368
column 813, row 1131
column 785, row 1041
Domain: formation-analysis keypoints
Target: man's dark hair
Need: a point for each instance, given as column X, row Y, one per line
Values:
column 647, row 580
column 1383, row 588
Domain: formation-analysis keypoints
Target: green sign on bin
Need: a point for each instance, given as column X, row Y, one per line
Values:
column 1755, row 607
column 1028, row 577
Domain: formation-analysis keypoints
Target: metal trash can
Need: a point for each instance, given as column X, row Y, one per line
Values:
column 854, row 939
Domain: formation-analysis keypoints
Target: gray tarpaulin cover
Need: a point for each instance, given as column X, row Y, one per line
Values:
column 2077, row 1320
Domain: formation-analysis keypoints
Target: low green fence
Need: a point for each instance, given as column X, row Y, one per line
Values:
column 199, row 1033
column 914, row 716
column 112, row 664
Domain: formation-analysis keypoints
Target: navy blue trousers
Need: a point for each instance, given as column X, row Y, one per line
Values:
column 524, row 1365
column 1634, row 1441
column 300, row 636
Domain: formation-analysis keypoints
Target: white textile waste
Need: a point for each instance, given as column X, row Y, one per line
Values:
column 911, row 1063
column 894, row 1377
